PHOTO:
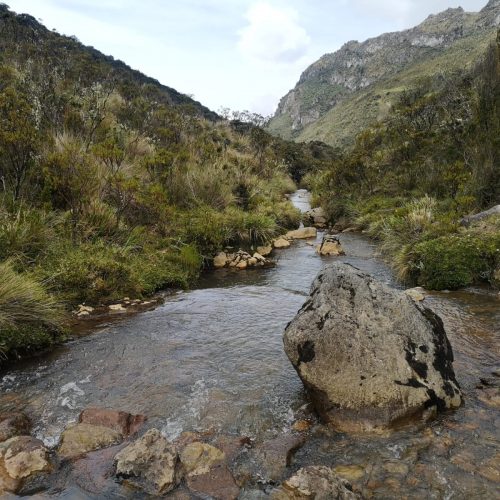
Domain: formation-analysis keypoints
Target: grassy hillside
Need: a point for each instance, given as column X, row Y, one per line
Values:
column 113, row 185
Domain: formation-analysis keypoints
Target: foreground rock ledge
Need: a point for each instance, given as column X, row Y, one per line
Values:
column 369, row 356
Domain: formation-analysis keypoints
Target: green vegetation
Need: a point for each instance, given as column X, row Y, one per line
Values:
column 410, row 179
column 113, row 185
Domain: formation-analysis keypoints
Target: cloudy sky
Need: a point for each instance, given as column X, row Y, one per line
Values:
column 243, row 54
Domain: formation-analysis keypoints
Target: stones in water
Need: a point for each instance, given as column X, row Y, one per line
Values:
column 150, row 463
column 13, row 424
column 370, row 357
column 21, row 457
column 276, row 455
column 124, row 423
column 265, row 251
column 240, row 260
column 198, row 458
column 217, row 483
column 303, row 233
column 82, row 438
column 281, row 243
column 315, row 482
column 316, row 217
column 330, row 246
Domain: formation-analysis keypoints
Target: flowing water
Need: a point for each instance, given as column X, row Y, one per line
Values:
column 212, row 358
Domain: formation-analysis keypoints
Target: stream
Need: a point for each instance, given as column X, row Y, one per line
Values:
column 212, row 358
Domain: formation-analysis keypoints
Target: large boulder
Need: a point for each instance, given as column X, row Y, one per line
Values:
column 316, row 216
column 370, row 357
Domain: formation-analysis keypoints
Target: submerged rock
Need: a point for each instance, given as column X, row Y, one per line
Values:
column 13, row 424
column 149, row 463
column 276, row 455
column 218, row 483
column 198, row 458
column 316, row 482
column 124, row 423
column 369, row 356
column 82, row 438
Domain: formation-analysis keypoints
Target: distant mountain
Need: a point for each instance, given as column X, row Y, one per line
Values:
column 23, row 33
column 342, row 93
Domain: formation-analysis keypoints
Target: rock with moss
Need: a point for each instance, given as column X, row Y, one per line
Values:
column 369, row 356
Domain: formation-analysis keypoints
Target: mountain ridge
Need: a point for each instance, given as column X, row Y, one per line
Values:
column 357, row 66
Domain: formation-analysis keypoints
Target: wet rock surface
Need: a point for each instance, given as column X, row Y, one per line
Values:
column 150, row 464
column 21, row 457
column 13, row 424
column 369, row 356
column 124, row 423
column 81, row 438
column 315, row 482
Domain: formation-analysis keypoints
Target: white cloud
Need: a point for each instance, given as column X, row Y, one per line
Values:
column 273, row 34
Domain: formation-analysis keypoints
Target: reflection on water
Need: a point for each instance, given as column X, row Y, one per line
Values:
column 212, row 358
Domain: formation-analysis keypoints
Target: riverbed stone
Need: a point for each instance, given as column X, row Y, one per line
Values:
column 220, row 260
column 275, row 455
column 198, row 458
column 265, row 251
column 21, row 457
column 315, row 482
column 13, row 424
column 349, row 472
column 330, row 246
column 150, row 463
column 281, row 243
column 369, row 356
column 218, row 483
column 304, row 233
column 124, row 423
column 316, row 217
column 82, row 438
column 242, row 265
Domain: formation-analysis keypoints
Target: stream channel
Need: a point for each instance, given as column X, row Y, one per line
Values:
column 212, row 358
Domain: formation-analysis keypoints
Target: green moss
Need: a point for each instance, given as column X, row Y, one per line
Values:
column 25, row 339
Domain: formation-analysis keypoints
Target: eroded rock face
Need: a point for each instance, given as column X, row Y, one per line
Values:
column 149, row 463
column 320, row 483
column 81, row 438
column 369, row 356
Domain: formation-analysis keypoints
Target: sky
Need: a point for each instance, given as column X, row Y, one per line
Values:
column 241, row 54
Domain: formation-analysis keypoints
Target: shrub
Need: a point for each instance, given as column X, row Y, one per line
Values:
column 28, row 313
column 456, row 260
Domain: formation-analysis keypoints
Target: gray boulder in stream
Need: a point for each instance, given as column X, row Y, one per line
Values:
column 369, row 356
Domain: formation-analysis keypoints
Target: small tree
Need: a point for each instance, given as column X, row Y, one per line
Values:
column 20, row 140
column 72, row 177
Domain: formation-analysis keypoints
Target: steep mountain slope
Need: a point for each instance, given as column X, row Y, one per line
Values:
column 344, row 92
column 22, row 35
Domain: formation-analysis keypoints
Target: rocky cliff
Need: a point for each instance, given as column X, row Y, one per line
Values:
column 443, row 42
